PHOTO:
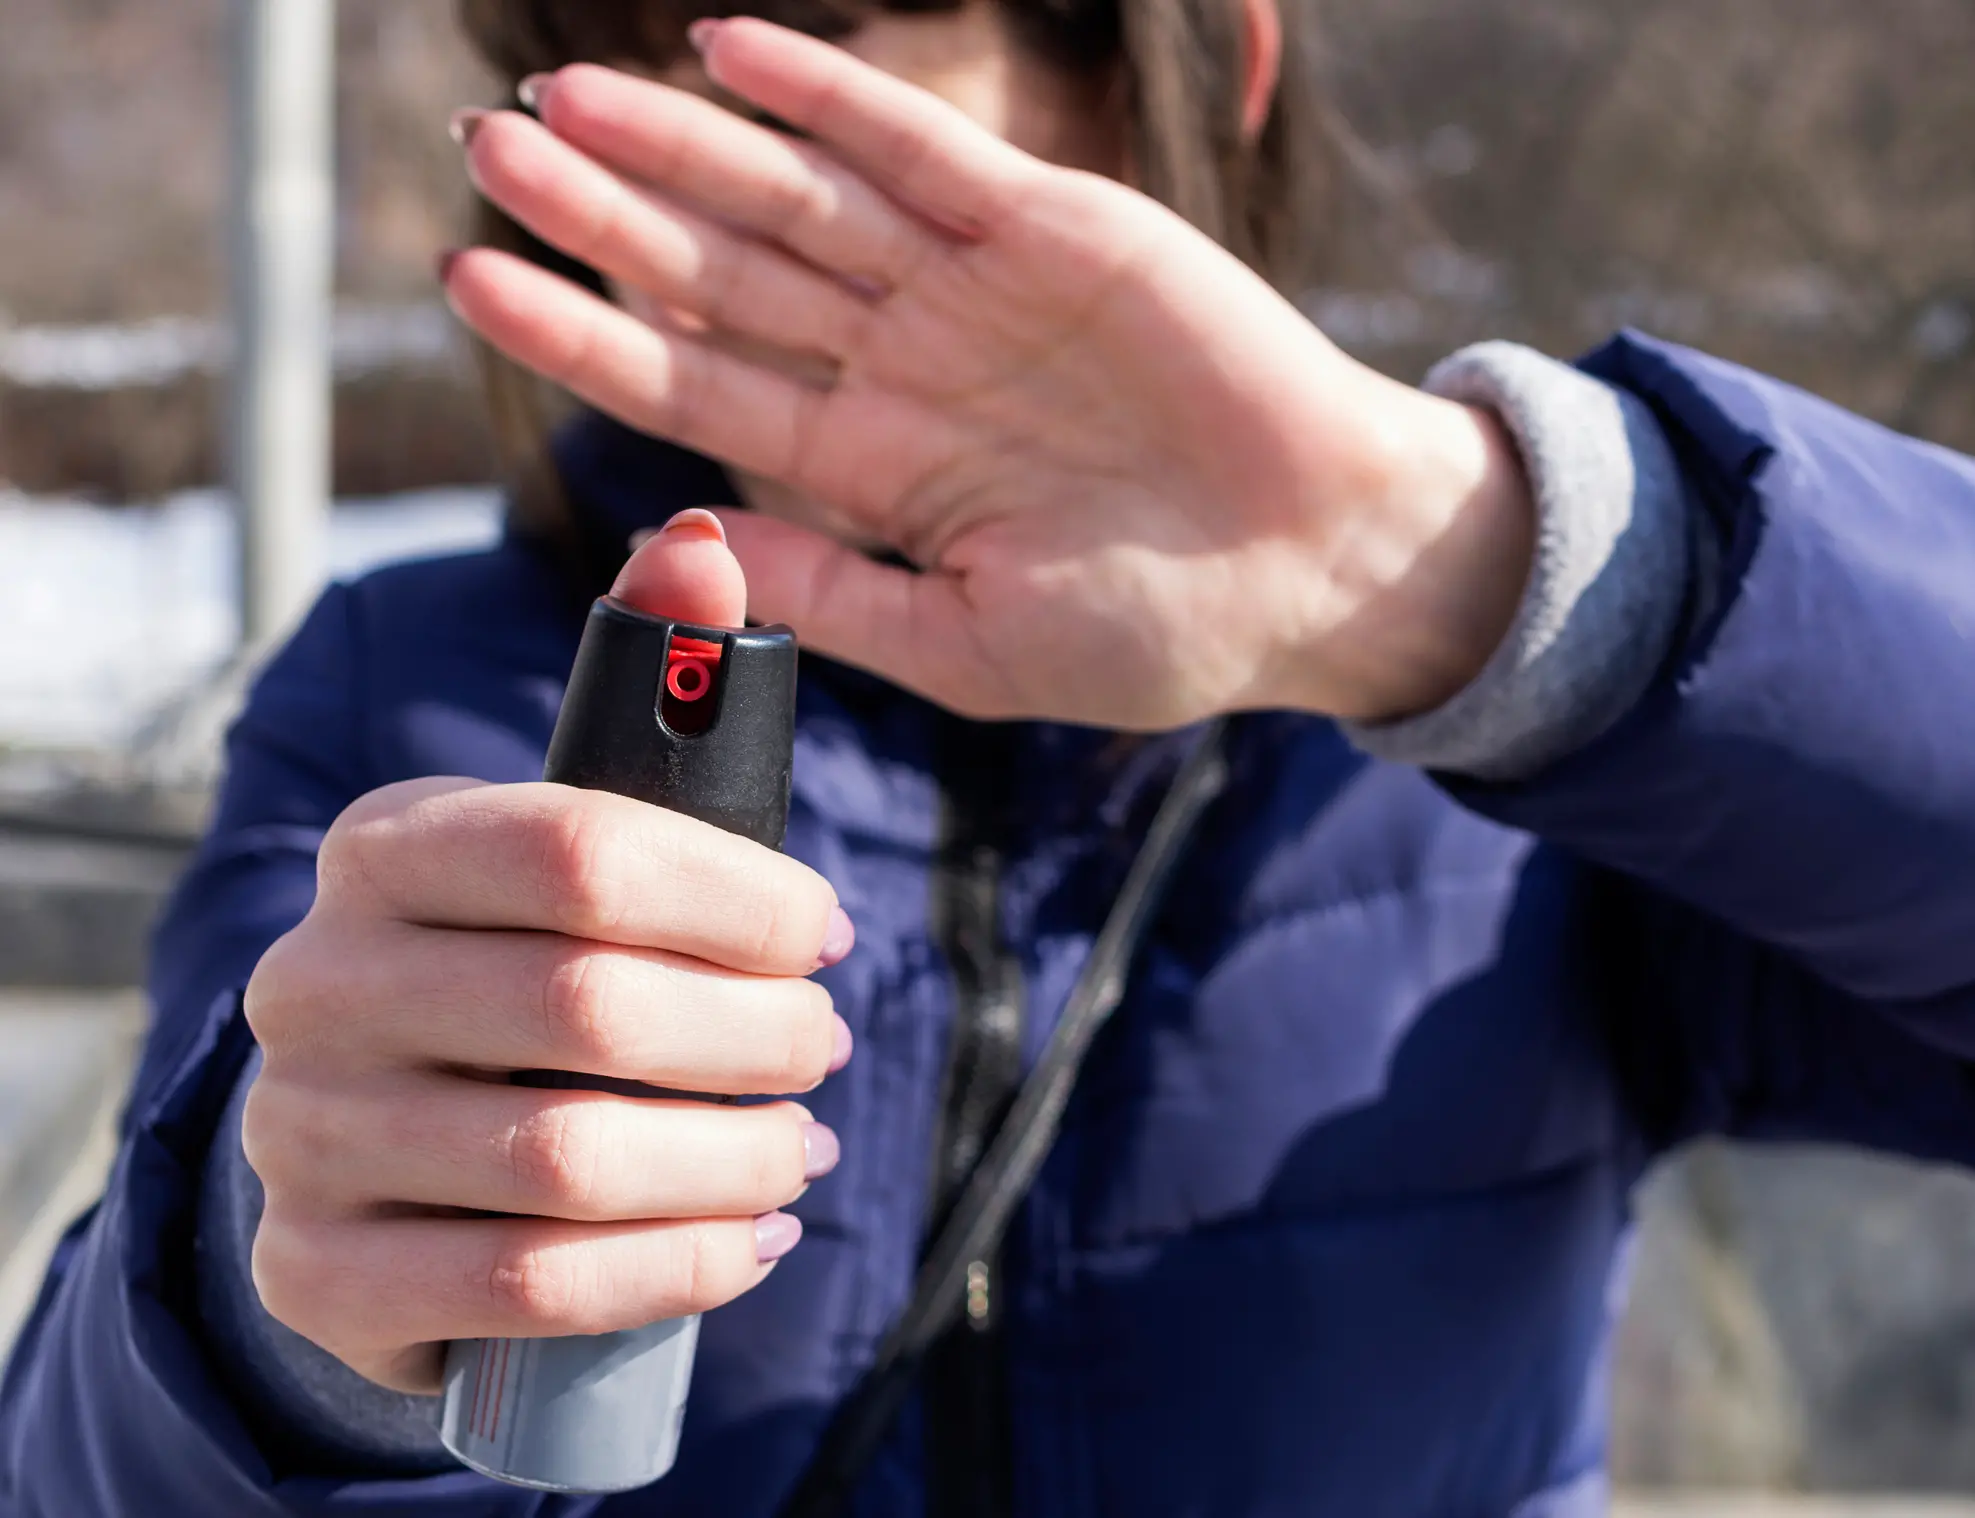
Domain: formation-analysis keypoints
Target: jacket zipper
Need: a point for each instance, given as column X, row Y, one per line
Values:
column 964, row 1388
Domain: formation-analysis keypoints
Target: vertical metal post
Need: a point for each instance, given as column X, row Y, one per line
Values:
column 283, row 255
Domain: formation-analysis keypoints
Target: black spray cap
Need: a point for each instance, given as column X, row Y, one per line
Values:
column 700, row 720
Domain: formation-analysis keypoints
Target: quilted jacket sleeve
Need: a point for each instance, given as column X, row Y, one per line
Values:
column 1788, row 813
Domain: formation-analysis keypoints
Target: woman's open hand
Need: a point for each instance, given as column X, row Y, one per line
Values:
column 1141, row 487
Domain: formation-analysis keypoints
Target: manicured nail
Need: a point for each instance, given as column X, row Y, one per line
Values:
column 464, row 124
column 839, row 938
column 702, row 32
column 820, row 1150
column 845, row 1046
column 696, row 522
column 531, row 91
column 443, row 265
column 775, row 1235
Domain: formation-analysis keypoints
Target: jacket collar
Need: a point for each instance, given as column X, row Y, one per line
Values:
column 619, row 481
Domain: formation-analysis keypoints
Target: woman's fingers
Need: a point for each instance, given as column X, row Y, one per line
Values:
column 737, row 171
column 913, row 144
column 404, row 1141
column 583, row 863
column 667, row 383
column 733, row 282
column 857, row 446
column 388, row 995
column 465, row 1278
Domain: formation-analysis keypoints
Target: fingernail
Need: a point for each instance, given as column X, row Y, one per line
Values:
column 464, row 124
column 845, row 1045
column 443, row 265
column 820, row 1150
column 702, row 32
column 532, row 90
column 838, row 939
column 696, row 522
column 775, row 1235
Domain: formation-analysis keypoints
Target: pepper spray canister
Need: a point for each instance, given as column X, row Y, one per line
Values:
column 699, row 720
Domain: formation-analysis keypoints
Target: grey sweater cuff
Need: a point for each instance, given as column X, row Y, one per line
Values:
column 1606, row 589
column 289, row 1390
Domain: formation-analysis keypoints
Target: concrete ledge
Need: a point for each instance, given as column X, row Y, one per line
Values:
column 87, row 855
column 64, row 1060
column 77, row 910
column 1752, row 1505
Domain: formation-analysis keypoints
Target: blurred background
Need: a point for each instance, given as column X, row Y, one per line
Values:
column 1786, row 182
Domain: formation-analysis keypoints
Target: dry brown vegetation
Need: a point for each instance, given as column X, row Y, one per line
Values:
column 1788, row 182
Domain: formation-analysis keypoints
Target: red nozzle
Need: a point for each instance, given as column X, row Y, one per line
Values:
column 688, row 679
column 692, row 669
column 690, row 663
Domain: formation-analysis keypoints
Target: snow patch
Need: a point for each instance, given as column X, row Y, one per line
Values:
column 109, row 614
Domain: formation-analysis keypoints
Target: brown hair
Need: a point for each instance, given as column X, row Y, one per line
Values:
column 1179, row 64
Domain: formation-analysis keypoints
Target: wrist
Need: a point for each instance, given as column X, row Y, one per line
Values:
column 1429, row 575
column 1608, row 583
column 1467, row 584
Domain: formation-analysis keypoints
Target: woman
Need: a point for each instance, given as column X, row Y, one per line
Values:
column 1602, row 773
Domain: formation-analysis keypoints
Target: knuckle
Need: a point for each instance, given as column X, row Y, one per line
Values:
column 818, row 1034
column 578, row 998
column 578, row 359
column 846, row 327
column 732, row 288
column 365, row 851
column 684, row 404
column 556, row 1157
column 605, row 234
column 808, row 424
column 288, row 1129
column 332, row 854
column 825, row 107
column 905, row 255
column 576, row 851
column 907, row 150
column 803, row 1037
column 264, row 1130
column 777, row 1164
column 785, row 928
column 705, row 1274
column 274, row 988
column 533, row 1284
column 295, row 1271
column 305, row 984
column 797, row 201
column 351, row 856
column 781, row 918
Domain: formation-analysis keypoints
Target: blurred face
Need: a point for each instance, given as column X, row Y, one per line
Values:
column 970, row 58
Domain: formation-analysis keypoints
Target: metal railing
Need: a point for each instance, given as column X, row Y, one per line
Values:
column 282, row 250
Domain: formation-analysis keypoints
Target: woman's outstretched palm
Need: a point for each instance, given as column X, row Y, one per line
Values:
column 1092, row 428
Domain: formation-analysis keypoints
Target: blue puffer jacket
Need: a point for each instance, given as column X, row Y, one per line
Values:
column 1338, row 1221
